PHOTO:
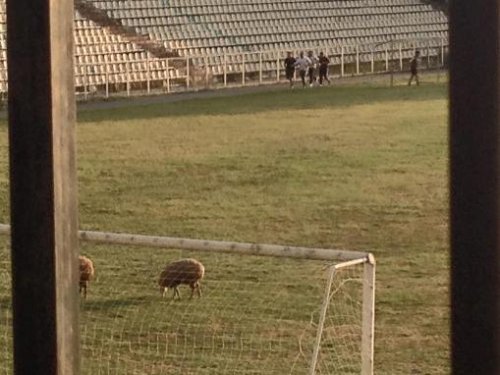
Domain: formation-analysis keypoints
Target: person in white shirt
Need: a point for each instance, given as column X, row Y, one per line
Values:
column 312, row 68
column 302, row 64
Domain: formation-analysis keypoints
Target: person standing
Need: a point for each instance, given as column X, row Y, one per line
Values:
column 302, row 64
column 312, row 68
column 290, row 68
column 414, row 68
column 323, row 68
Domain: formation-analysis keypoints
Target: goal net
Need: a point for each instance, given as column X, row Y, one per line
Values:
column 6, row 343
column 299, row 311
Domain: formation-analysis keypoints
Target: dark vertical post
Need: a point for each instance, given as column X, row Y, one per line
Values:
column 43, row 186
column 474, row 186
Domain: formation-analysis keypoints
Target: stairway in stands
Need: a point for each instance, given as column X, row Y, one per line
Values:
column 441, row 5
column 100, row 17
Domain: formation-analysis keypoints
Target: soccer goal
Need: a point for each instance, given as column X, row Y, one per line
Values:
column 264, row 309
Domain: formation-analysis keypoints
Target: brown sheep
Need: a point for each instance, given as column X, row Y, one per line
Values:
column 184, row 271
column 86, row 273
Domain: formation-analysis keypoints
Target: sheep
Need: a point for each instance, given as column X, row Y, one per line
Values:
column 86, row 273
column 183, row 271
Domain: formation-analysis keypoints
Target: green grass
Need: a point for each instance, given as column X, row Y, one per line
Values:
column 354, row 167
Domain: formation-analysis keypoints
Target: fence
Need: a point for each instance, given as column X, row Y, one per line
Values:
column 113, row 75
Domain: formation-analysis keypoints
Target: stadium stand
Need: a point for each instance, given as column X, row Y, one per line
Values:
column 124, row 44
column 104, row 56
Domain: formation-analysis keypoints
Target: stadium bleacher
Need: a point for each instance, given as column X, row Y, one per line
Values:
column 114, row 39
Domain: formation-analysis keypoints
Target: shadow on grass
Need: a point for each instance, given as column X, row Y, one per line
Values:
column 262, row 101
column 113, row 303
column 107, row 304
column 100, row 305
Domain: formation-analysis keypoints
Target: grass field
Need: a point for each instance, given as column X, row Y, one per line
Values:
column 354, row 167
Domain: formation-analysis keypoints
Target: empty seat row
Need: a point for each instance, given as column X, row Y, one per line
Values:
column 210, row 31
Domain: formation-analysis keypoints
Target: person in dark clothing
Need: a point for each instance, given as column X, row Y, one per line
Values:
column 414, row 68
column 290, row 68
column 323, row 68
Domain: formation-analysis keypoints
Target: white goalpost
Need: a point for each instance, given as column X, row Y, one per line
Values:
column 367, row 314
column 265, row 309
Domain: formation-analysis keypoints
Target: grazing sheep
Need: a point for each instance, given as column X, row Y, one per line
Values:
column 184, row 271
column 86, row 273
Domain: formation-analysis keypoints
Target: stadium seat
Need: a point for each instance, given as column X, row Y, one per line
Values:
column 210, row 27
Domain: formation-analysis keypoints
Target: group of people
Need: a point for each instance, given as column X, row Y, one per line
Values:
column 306, row 67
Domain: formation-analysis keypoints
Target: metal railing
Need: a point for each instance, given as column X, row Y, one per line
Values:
column 115, row 77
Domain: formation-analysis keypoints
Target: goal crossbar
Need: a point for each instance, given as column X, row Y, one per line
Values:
column 219, row 246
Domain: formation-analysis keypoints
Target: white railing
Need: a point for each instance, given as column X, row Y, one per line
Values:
column 188, row 73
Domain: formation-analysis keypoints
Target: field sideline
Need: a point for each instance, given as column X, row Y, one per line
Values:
column 353, row 167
